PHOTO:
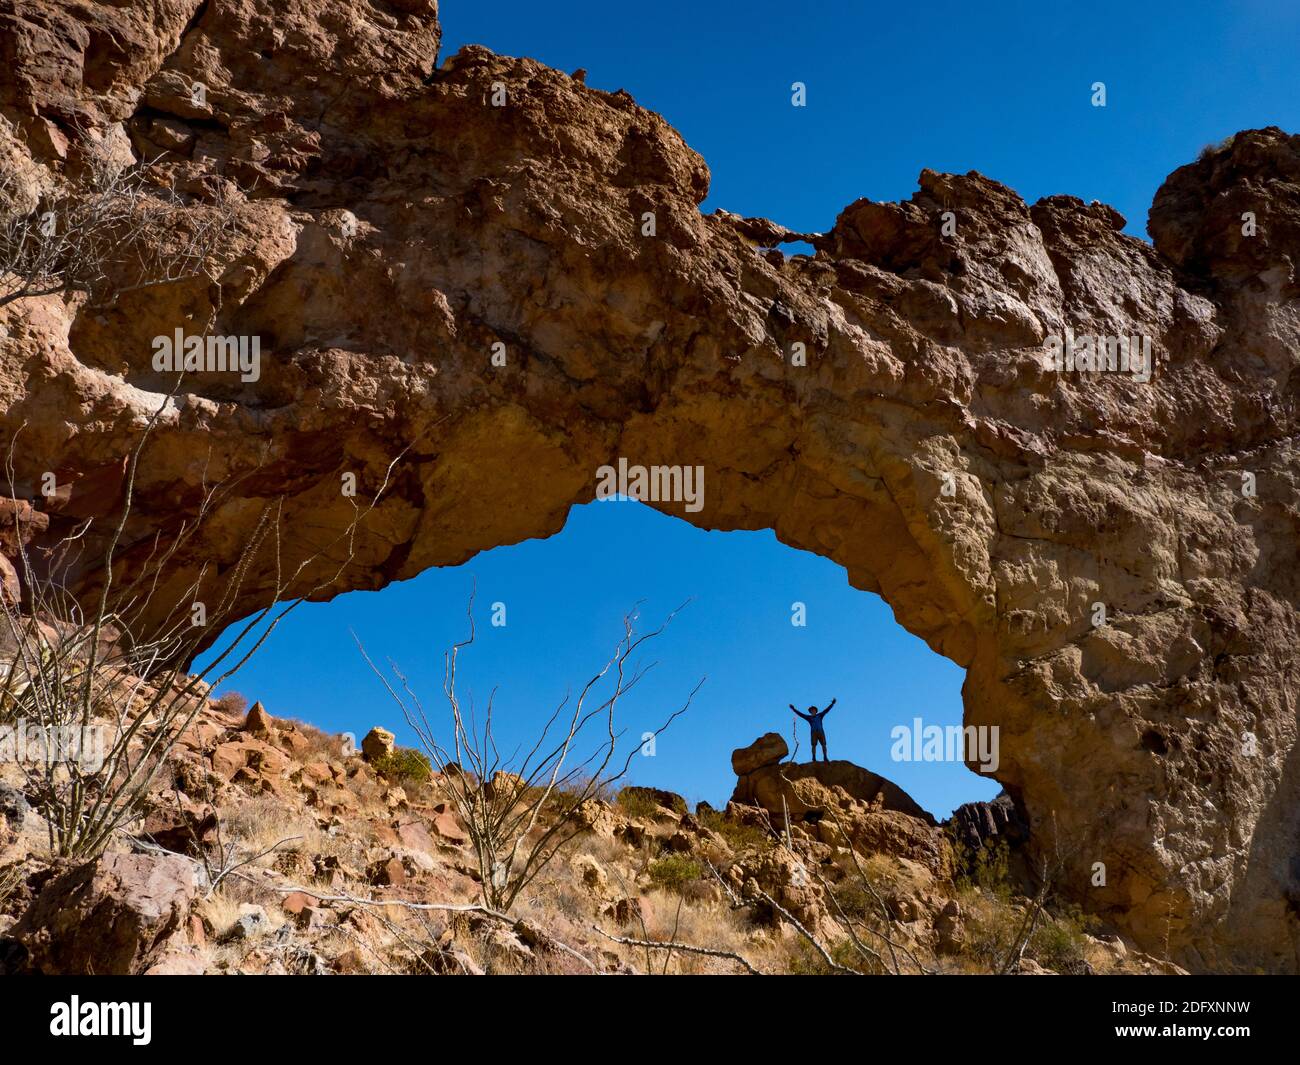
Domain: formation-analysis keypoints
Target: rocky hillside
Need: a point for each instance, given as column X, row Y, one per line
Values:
column 474, row 270
column 266, row 848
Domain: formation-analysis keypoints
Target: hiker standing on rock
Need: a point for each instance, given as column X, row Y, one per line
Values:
column 814, row 719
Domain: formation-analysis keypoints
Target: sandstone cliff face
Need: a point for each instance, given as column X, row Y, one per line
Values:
column 394, row 225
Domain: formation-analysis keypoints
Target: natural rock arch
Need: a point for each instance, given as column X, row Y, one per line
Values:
column 395, row 225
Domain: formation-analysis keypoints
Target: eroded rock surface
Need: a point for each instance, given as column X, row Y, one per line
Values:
column 768, row 749
column 394, row 226
column 116, row 915
column 811, row 791
column 976, row 824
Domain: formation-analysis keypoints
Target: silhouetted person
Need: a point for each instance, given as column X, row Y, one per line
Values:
column 814, row 719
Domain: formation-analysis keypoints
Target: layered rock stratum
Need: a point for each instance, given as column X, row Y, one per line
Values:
column 394, row 225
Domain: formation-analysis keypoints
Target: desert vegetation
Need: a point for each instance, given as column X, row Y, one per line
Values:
column 284, row 850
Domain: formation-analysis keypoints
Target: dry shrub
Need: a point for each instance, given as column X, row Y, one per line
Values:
column 233, row 702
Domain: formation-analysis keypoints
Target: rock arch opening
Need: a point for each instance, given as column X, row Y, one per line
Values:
column 767, row 625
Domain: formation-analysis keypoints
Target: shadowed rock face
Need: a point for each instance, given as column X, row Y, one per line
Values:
column 116, row 915
column 394, row 225
column 807, row 790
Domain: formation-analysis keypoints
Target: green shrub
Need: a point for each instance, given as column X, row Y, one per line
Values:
column 1058, row 942
column 675, row 871
column 804, row 960
column 988, row 868
column 636, row 803
column 738, row 835
column 855, row 900
column 991, row 929
column 585, row 784
column 405, row 765
column 650, row 802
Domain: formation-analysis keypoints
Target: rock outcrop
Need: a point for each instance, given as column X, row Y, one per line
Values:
column 767, row 750
column 646, row 865
column 118, row 915
column 974, row 824
column 377, row 743
column 836, row 803
column 457, row 299
column 811, row 790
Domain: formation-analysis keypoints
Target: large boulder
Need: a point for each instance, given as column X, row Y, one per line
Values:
column 899, row 835
column 505, row 787
column 185, row 827
column 378, row 743
column 443, row 824
column 768, row 749
column 786, row 878
column 13, row 806
column 116, row 915
column 249, row 756
column 258, row 722
column 835, row 803
column 810, row 789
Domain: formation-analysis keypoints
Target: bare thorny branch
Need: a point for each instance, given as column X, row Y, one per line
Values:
column 112, row 228
column 109, row 666
column 1049, row 866
column 502, row 801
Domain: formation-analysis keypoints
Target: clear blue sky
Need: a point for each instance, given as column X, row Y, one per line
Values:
column 565, row 599
column 1000, row 88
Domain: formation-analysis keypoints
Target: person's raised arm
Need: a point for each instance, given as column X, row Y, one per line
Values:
column 828, row 709
column 804, row 716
